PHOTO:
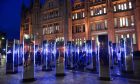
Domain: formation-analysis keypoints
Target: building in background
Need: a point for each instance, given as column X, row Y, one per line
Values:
column 81, row 20
column 2, row 42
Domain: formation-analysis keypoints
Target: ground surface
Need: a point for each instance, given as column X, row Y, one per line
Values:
column 70, row 78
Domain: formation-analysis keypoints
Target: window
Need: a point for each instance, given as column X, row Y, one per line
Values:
column 98, row 11
column 56, row 28
column 134, row 38
column 91, row 12
column 83, row 14
column 93, row 38
column 44, row 30
column 130, row 5
column 119, row 6
column 80, row 43
column 60, row 39
column 104, row 10
column 121, row 22
column 127, row 36
column 125, row 7
column 115, row 22
column 73, row 17
column 105, row 24
column 124, row 21
column 84, row 40
column 79, row 28
column 122, row 36
column 92, row 27
column 122, row 6
column 83, row 28
column 132, row 21
column 115, row 8
column 101, row 25
column 76, row 16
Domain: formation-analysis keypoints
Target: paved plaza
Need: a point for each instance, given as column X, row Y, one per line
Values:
column 71, row 77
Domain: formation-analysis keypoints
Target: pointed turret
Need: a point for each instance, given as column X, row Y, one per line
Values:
column 37, row 1
column 31, row 4
column 23, row 7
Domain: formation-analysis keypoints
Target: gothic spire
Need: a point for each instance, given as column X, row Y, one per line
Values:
column 23, row 6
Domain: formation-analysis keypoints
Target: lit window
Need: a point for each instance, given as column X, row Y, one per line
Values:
column 93, row 38
column 44, row 31
column 73, row 17
column 100, row 11
column 83, row 14
column 130, row 5
column 134, row 38
column 80, row 42
column 127, row 35
column 122, row 36
column 125, row 6
column 63, row 38
column 132, row 20
column 105, row 23
column 121, row 22
column 115, row 22
column 84, row 40
column 104, row 10
column 91, row 12
column 126, row 21
column 26, row 36
column 119, row 6
column 115, row 8
column 122, row 7
column 76, row 16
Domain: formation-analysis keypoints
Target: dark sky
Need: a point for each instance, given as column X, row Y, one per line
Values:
column 10, row 11
column 10, row 17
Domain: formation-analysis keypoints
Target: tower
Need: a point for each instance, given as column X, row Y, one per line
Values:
column 36, row 29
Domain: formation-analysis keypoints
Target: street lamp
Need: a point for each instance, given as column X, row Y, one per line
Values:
column 2, row 38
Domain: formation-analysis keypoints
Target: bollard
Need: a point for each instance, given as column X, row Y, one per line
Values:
column 12, row 57
column 104, row 58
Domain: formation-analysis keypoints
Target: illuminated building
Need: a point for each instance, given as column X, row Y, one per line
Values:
column 80, row 20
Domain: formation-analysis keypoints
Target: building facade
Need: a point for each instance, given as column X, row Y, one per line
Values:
column 81, row 20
